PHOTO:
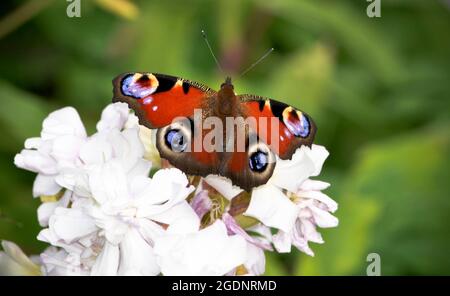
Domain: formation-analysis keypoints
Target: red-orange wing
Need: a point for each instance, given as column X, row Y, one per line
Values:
column 291, row 128
column 157, row 99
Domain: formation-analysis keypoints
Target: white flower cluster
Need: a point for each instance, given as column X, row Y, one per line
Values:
column 104, row 215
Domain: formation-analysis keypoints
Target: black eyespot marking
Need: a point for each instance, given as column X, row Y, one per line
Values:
column 261, row 105
column 143, row 79
column 186, row 87
column 294, row 115
column 165, row 84
column 175, row 140
column 258, row 161
column 277, row 109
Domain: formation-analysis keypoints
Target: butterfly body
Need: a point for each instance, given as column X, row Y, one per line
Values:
column 202, row 132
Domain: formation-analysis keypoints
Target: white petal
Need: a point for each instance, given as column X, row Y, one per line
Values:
column 45, row 185
column 310, row 185
column 61, row 263
column 300, row 241
column 232, row 250
column 142, row 167
column 171, row 175
column 136, row 256
column 223, row 185
column 168, row 187
column 76, row 180
column 270, row 206
column 234, row 228
column 150, row 230
column 139, row 186
column 53, row 262
column 115, row 231
column 46, row 235
column 65, row 149
column 132, row 121
column 107, row 262
column 131, row 149
column 179, row 212
column 65, row 121
column 181, row 226
column 302, row 245
column 263, row 233
column 290, row 174
column 318, row 154
column 319, row 196
column 35, row 161
column 113, row 227
column 96, row 150
column 33, row 143
column 46, row 210
column 309, row 231
column 282, row 242
column 256, row 261
column 71, row 224
column 108, row 183
column 114, row 116
column 209, row 251
column 323, row 218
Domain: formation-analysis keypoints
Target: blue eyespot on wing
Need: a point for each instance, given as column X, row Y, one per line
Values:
column 296, row 122
column 138, row 85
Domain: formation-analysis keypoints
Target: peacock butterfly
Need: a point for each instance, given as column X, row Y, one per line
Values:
column 171, row 105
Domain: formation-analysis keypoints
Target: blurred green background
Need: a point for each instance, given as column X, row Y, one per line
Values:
column 378, row 89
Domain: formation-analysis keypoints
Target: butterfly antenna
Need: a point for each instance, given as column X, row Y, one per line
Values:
column 212, row 53
column 257, row 62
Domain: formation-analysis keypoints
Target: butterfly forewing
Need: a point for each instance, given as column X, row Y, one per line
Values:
column 286, row 128
column 158, row 99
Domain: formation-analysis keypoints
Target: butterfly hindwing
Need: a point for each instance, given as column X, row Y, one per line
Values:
column 252, row 167
column 180, row 143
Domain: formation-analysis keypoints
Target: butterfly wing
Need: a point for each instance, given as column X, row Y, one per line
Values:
column 252, row 167
column 187, row 154
column 283, row 127
column 157, row 99
column 168, row 103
